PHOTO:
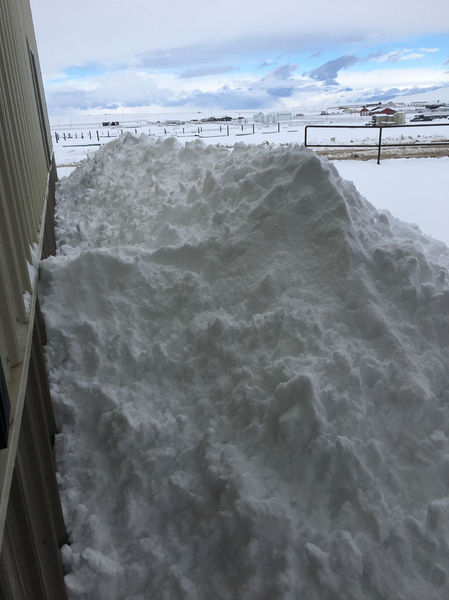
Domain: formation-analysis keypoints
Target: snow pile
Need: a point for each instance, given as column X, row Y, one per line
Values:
column 249, row 364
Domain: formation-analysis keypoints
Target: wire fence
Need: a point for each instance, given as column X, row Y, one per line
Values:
column 93, row 137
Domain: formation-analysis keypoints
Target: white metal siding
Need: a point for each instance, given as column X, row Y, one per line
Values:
column 24, row 164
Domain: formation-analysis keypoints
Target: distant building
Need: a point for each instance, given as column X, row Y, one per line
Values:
column 287, row 116
column 364, row 112
column 272, row 117
column 383, row 111
column 389, row 119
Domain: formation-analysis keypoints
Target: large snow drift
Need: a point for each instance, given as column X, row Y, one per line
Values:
column 249, row 364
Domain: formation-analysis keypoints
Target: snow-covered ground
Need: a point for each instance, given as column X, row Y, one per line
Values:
column 249, row 366
column 412, row 189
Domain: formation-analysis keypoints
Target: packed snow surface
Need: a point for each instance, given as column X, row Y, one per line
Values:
column 249, row 365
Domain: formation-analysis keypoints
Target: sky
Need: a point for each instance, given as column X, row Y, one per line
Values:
column 101, row 56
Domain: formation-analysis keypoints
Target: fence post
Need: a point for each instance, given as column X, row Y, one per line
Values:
column 64, row 136
column 279, row 127
column 380, row 143
column 227, row 130
column 305, row 137
column 98, row 136
column 254, row 129
column 242, row 127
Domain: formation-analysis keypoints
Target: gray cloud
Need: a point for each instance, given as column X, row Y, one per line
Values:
column 204, row 71
column 232, row 50
column 284, row 72
column 279, row 82
column 225, row 99
column 383, row 95
column 329, row 70
column 284, row 92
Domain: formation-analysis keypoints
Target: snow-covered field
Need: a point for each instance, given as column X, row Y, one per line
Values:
column 71, row 150
column 249, row 366
column 412, row 189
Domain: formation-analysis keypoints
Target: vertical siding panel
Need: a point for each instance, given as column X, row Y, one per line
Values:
column 31, row 521
column 11, row 236
column 10, row 138
column 17, row 111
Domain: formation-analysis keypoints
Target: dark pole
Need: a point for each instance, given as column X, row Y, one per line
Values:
column 380, row 143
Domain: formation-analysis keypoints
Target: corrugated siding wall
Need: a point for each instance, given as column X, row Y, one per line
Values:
column 24, row 165
column 31, row 523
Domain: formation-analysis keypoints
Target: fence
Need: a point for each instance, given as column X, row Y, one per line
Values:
column 379, row 145
column 93, row 137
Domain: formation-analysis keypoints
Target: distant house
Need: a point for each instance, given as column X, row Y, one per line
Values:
column 384, row 111
column 389, row 119
column 364, row 112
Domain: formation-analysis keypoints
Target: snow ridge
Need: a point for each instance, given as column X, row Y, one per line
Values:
column 249, row 365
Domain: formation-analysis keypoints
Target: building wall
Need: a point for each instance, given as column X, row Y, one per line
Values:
column 31, row 524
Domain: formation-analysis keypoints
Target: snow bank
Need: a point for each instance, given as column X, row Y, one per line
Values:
column 249, row 364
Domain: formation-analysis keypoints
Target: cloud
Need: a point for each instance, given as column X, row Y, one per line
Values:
column 390, row 94
column 236, row 49
column 223, row 99
column 204, row 71
column 412, row 56
column 284, row 72
column 446, row 62
column 110, row 90
column 429, row 50
column 118, row 31
column 329, row 70
column 280, row 83
column 284, row 92
column 404, row 54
